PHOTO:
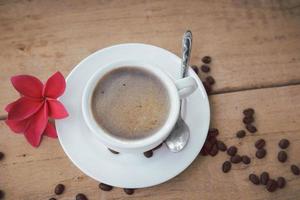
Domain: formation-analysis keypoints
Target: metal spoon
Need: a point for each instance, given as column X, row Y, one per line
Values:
column 179, row 136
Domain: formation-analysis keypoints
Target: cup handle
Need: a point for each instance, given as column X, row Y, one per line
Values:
column 186, row 86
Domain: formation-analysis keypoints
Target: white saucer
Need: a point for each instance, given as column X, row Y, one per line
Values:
column 127, row 170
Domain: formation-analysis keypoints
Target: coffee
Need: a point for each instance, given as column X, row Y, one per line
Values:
column 130, row 103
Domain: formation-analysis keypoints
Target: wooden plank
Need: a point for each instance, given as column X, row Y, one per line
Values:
column 34, row 175
column 253, row 43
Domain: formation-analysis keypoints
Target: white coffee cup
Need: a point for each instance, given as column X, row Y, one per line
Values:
column 177, row 90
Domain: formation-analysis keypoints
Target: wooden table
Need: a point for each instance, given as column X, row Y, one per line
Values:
column 255, row 46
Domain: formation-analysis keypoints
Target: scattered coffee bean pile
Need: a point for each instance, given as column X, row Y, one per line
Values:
column 261, row 151
column 235, row 158
column 282, row 155
column 209, row 80
column 270, row 184
column 212, row 145
column 249, row 119
column 233, row 150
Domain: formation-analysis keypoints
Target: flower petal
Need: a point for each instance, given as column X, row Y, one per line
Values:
column 50, row 131
column 18, row 126
column 37, row 126
column 28, row 85
column 56, row 109
column 22, row 108
column 55, row 86
column 9, row 106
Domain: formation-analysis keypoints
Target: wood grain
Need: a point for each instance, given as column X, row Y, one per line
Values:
column 31, row 174
column 253, row 43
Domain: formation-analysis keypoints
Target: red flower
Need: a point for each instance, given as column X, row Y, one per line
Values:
column 29, row 114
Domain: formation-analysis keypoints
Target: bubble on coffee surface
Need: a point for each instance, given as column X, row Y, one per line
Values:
column 130, row 103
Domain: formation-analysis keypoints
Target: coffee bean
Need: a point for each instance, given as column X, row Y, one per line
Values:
column 241, row 134
column 207, row 87
column 264, row 178
column 246, row 160
column 226, row 166
column 284, row 143
column 260, row 153
column 221, row 146
column 254, row 179
column 251, row 128
column 52, row 198
column 157, row 147
column 248, row 119
column 214, row 151
column 195, row 68
column 232, row 150
column 212, row 140
column 128, row 191
column 205, row 68
column 236, row 159
column 281, row 182
column 210, row 80
column 295, row 169
column 259, row 144
column 282, row 156
column 271, row 185
column 207, row 146
column 59, row 189
column 1, row 155
column 2, row 194
column 105, row 187
column 213, row 132
column 113, row 151
column 206, row 59
column 148, row 154
column 81, row 196
column 248, row 112
column 203, row 152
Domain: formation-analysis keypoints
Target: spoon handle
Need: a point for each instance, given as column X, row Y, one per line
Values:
column 186, row 52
